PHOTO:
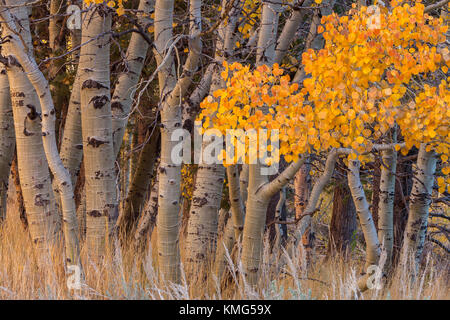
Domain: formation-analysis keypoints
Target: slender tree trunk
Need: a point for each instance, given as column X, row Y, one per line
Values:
column 255, row 221
column 72, row 140
column 125, row 89
column 140, row 183
column 19, row 197
column 290, row 28
column 56, row 70
column 386, row 203
column 203, row 215
column 257, row 202
column 419, row 205
column 403, row 187
column 96, row 120
column 224, row 245
column 233, row 227
column 39, row 201
column 202, row 225
column 365, row 219
column 376, row 190
column 243, row 184
column 237, row 208
column 62, row 177
column 7, row 139
column 302, row 187
column 171, row 92
column 148, row 218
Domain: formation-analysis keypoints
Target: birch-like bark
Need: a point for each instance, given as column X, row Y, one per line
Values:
column 317, row 190
column 237, row 208
column 255, row 221
column 39, row 201
column 140, row 184
column 419, row 206
column 72, row 139
column 202, row 225
column 234, row 226
column 257, row 201
column 19, row 54
column 243, row 184
column 171, row 92
column 96, row 120
column 386, row 203
column 265, row 52
column 290, row 29
column 302, row 187
column 224, row 246
column 365, row 218
column 122, row 99
column 7, row 139
column 191, row 106
column 148, row 218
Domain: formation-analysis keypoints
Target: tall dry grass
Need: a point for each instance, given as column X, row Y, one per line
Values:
column 132, row 275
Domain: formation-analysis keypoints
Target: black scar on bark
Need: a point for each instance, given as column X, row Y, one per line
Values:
column 116, row 105
column 25, row 131
column 199, row 201
column 92, row 84
column 40, row 202
column 98, row 175
column 95, row 142
column 12, row 61
column 18, row 94
column 94, row 213
column 99, row 101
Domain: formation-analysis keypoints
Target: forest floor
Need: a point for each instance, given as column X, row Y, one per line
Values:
column 130, row 275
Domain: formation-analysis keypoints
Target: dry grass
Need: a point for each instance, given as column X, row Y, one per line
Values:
column 127, row 275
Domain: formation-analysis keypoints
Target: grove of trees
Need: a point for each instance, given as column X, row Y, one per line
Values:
column 347, row 100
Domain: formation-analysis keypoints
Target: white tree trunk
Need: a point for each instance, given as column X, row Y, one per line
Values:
column 96, row 120
column 171, row 92
column 72, row 139
column 124, row 92
column 62, row 177
column 386, row 204
column 7, row 139
column 419, row 206
column 39, row 200
column 365, row 218
column 148, row 217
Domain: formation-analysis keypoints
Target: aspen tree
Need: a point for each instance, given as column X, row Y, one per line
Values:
column 7, row 139
column 172, row 91
column 96, row 120
column 39, row 200
column 25, row 60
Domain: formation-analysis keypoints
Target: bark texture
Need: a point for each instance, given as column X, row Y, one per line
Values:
column 96, row 120
column 39, row 200
column 419, row 206
column 171, row 92
column 7, row 139
column 386, row 204
column 61, row 175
